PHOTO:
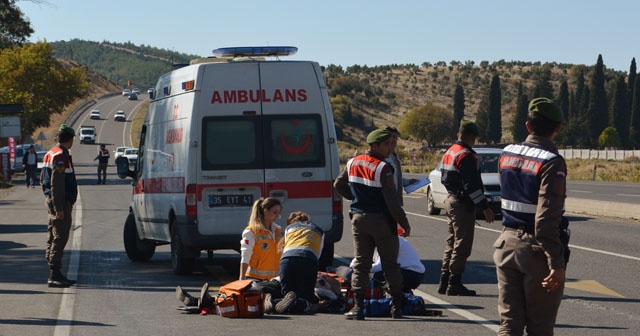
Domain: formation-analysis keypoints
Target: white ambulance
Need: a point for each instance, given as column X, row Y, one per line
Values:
column 219, row 134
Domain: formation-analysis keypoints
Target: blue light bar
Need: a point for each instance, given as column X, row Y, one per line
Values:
column 255, row 51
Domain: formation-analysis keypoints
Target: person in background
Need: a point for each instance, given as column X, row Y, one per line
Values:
column 530, row 254
column 259, row 253
column 461, row 177
column 301, row 248
column 375, row 212
column 30, row 164
column 103, row 162
column 61, row 191
column 394, row 161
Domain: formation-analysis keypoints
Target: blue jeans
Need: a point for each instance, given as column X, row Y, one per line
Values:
column 298, row 275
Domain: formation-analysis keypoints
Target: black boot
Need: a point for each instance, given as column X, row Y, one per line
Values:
column 185, row 297
column 205, row 300
column 57, row 280
column 357, row 312
column 444, row 282
column 456, row 288
column 397, row 305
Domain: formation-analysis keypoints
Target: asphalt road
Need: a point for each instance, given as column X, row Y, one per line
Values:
column 115, row 296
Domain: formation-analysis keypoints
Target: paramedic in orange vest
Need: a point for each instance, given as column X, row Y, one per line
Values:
column 103, row 162
column 259, row 253
column 531, row 254
column 461, row 177
column 61, row 190
column 368, row 181
column 301, row 248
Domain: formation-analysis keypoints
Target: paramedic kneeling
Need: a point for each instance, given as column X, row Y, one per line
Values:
column 368, row 182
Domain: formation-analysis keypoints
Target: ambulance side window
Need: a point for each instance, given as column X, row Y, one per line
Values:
column 294, row 141
column 231, row 143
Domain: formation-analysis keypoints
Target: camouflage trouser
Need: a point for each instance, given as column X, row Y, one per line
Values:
column 462, row 217
column 58, row 235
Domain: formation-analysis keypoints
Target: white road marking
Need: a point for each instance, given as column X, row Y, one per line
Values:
column 581, row 191
column 632, row 195
column 65, row 313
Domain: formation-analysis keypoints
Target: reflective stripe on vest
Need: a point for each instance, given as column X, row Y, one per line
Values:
column 366, row 171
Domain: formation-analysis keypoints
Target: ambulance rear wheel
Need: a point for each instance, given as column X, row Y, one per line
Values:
column 137, row 249
column 181, row 265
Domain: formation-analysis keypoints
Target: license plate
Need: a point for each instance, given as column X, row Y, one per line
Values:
column 216, row 201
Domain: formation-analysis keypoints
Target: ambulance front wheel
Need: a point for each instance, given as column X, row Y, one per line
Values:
column 137, row 249
column 181, row 265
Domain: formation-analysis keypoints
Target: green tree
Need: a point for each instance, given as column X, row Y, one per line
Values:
column 543, row 87
column 634, row 131
column 482, row 117
column 609, row 138
column 427, row 123
column 458, row 106
column 597, row 113
column 519, row 129
column 32, row 77
column 14, row 27
column 494, row 127
column 563, row 103
column 632, row 81
column 619, row 112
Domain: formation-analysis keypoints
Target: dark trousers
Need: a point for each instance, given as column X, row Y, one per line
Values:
column 411, row 279
column 30, row 175
column 371, row 230
column 102, row 168
column 462, row 218
column 298, row 275
column 58, row 235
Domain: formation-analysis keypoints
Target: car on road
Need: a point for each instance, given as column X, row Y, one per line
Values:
column 132, row 155
column 119, row 151
column 149, row 90
column 95, row 114
column 126, row 92
column 488, row 161
column 88, row 134
column 135, row 91
column 133, row 96
column 120, row 116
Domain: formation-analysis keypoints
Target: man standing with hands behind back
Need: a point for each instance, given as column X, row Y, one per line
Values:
column 461, row 176
column 368, row 182
column 532, row 251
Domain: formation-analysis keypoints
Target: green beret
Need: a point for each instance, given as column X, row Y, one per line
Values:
column 546, row 108
column 64, row 128
column 378, row 135
column 469, row 126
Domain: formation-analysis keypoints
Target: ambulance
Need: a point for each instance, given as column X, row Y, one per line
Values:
column 222, row 132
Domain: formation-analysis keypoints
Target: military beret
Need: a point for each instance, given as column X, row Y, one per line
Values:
column 378, row 135
column 469, row 126
column 64, row 128
column 546, row 108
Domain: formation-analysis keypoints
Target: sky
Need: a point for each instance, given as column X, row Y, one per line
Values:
column 359, row 32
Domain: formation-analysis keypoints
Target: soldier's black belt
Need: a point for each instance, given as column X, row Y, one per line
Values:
column 530, row 229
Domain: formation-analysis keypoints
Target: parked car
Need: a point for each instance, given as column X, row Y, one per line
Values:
column 489, row 159
column 119, row 151
column 95, row 114
column 40, row 156
column 120, row 116
column 132, row 155
column 20, row 151
column 133, row 96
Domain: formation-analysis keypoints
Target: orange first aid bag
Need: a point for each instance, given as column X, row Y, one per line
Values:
column 239, row 298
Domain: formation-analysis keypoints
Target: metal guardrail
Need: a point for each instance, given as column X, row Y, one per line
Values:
column 603, row 154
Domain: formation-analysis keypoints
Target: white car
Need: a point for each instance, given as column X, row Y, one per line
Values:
column 88, row 134
column 119, row 151
column 95, row 114
column 489, row 159
column 120, row 116
column 132, row 155
column 126, row 92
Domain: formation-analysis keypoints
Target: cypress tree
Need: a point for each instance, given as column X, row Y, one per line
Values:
column 632, row 81
column 458, row 107
column 494, row 127
column 482, row 117
column 519, row 129
column 598, row 112
column 563, row 102
column 576, row 107
column 543, row 87
column 634, row 131
column 618, row 111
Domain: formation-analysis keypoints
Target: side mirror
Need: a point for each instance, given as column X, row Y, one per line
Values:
column 122, row 164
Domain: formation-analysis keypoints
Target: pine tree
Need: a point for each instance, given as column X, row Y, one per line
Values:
column 494, row 127
column 458, row 106
column 634, row 131
column 619, row 112
column 632, row 81
column 598, row 112
column 519, row 129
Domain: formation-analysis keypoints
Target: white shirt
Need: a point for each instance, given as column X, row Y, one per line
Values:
column 407, row 258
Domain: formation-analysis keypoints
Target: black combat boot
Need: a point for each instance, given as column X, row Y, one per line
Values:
column 397, row 305
column 444, row 282
column 57, row 280
column 456, row 288
column 357, row 312
column 185, row 297
column 205, row 300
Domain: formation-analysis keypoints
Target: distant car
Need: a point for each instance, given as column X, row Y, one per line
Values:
column 150, row 90
column 88, row 134
column 119, row 151
column 136, row 91
column 20, row 151
column 40, row 156
column 120, row 116
column 95, row 114
column 126, row 92
column 132, row 155
column 133, row 96
column 488, row 160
